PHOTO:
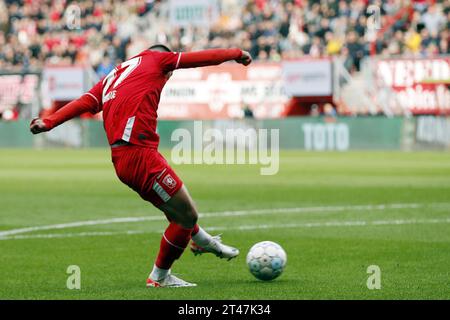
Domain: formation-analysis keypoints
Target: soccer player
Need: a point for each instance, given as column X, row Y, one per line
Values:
column 129, row 97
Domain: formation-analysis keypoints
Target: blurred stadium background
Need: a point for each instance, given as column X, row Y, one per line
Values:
column 375, row 74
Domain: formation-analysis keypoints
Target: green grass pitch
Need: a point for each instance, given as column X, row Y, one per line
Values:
column 353, row 210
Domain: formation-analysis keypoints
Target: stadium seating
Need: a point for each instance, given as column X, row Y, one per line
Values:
column 36, row 32
column 101, row 34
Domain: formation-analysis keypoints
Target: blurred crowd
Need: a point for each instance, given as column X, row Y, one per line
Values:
column 103, row 33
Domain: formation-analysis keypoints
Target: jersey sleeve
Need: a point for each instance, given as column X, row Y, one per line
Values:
column 96, row 94
column 88, row 102
column 210, row 57
column 168, row 61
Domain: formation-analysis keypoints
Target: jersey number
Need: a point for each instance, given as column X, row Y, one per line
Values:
column 128, row 67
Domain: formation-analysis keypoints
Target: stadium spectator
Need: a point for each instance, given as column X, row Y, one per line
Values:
column 106, row 66
column 33, row 33
column 434, row 19
column 103, row 33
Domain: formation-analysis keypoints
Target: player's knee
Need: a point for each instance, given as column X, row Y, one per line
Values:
column 190, row 217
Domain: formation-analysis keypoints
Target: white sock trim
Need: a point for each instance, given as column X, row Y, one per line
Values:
column 173, row 245
column 158, row 273
column 202, row 238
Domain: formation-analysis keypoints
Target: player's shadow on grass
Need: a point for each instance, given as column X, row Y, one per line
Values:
column 253, row 282
column 276, row 281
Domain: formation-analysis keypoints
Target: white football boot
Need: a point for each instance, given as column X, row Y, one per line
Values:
column 215, row 247
column 170, row 281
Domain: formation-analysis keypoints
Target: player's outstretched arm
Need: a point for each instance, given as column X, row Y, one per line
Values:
column 86, row 103
column 213, row 57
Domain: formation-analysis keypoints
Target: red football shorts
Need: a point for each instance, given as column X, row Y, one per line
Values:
column 147, row 172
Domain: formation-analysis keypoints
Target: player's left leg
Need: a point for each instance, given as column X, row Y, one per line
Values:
column 182, row 214
column 146, row 172
column 183, row 218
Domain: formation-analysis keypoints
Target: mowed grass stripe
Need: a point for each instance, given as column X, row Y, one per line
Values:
column 353, row 223
column 42, row 188
column 215, row 215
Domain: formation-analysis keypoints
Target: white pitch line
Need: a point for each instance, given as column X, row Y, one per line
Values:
column 71, row 235
column 351, row 223
column 80, row 224
column 266, row 211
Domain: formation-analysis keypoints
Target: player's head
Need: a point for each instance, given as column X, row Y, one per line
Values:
column 160, row 48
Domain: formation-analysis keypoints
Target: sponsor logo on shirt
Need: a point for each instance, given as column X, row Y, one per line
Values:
column 109, row 96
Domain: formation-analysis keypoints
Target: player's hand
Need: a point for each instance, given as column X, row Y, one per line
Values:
column 245, row 59
column 38, row 126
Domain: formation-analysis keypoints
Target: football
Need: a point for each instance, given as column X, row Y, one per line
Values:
column 266, row 260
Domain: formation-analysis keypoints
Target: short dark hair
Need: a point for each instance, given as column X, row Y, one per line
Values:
column 160, row 47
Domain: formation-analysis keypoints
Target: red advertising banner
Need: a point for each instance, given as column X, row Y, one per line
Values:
column 17, row 89
column 420, row 85
column 222, row 92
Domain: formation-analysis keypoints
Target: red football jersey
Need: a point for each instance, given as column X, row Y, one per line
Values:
column 129, row 97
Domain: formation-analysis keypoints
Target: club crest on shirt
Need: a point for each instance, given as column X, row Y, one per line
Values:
column 169, row 181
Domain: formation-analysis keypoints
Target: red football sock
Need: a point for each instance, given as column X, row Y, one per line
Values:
column 174, row 241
